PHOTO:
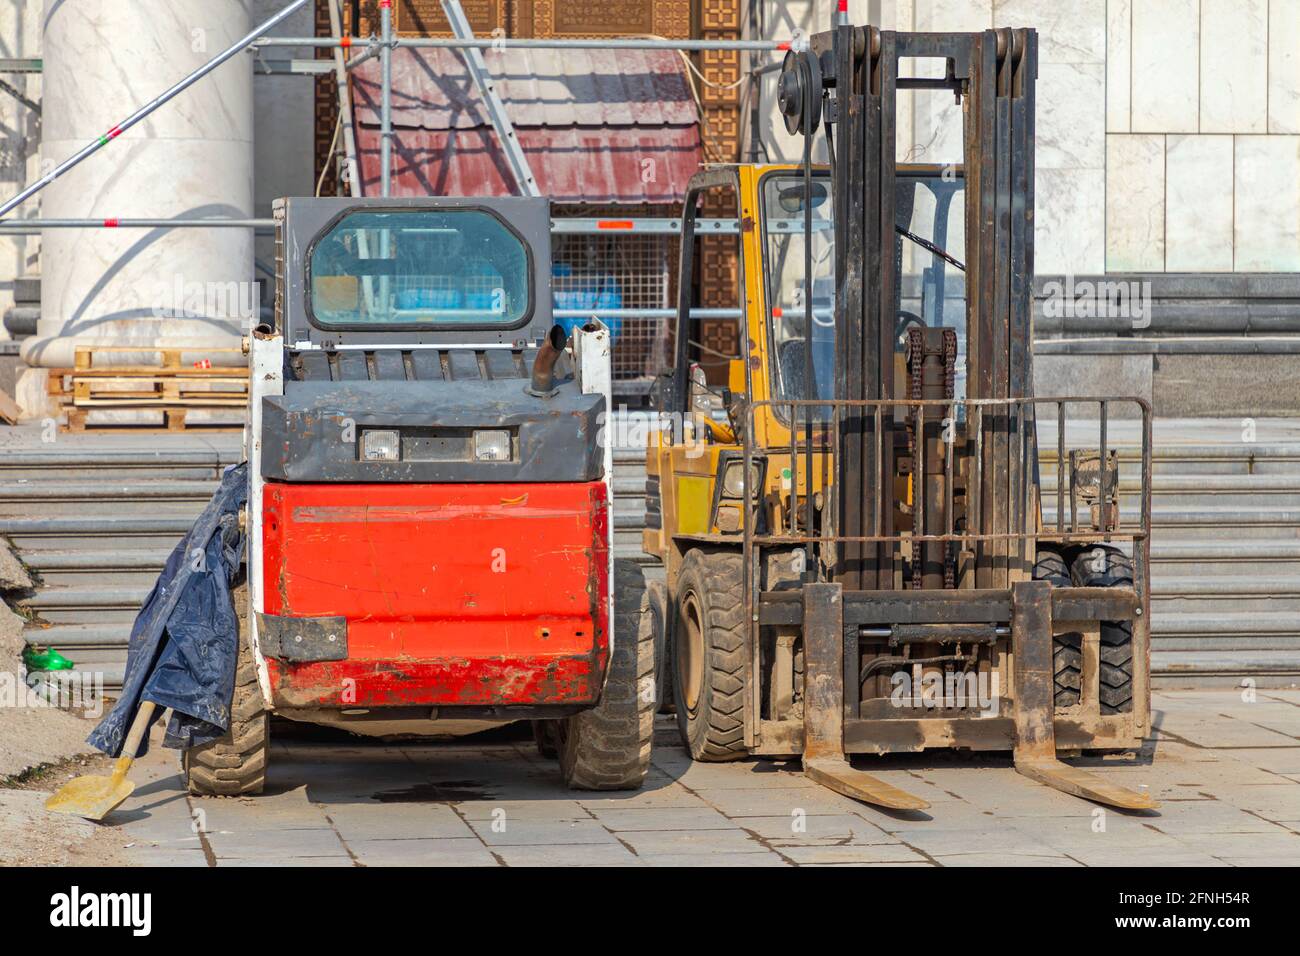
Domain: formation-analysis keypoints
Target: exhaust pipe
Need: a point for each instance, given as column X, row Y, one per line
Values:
column 543, row 384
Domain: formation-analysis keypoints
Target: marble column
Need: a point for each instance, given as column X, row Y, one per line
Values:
column 192, row 158
column 20, row 129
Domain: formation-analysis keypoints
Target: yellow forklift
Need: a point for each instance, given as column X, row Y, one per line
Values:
column 858, row 556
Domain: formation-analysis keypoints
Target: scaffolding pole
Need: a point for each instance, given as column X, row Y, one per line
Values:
column 345, row 103
column 33, row 227
column 386, row 100
column 505, row 129
column 648, row 225
column 535, row 43
column 96, row 145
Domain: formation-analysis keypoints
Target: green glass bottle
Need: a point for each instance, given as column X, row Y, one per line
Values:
column 35, row 659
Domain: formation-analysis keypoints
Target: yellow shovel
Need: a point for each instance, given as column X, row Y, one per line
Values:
column 95, row 797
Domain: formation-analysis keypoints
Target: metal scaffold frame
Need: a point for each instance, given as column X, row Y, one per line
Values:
column 382, row 46
column 341, row 66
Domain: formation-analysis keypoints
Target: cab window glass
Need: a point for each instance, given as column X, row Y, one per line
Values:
column 788, row 289
column 419, row 268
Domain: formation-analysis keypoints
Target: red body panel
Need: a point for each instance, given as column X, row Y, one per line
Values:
column 483, row 594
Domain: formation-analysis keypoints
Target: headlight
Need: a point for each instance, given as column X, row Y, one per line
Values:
column 733, row 478
column 377, row 445
column 491, row 446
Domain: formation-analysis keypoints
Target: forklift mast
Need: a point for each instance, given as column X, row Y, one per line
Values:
column 992, row 75
column 958, row 589
column 876, row 492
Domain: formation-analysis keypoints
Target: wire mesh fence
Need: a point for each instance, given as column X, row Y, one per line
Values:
column 611, row 272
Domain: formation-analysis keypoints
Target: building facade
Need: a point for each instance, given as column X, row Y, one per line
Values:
column 1168, row 155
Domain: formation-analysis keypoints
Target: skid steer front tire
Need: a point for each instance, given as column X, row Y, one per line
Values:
column 608, row 746
column 234, row 764
column 709, row 656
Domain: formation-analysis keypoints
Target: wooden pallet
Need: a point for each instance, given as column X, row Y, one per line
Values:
column 170, row 356
column 170, row 388
column 149, row 390
column 174, row 420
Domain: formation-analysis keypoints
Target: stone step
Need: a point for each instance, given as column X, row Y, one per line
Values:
column 78, row 635
column 85, row 597
column 1262, row 669
column 75, row 532
column 1223, row 623
column 26, row 491
column 108, row 676
column 99, row 559
column 1194, row 491
column 1226, row 556
column 1171, row 522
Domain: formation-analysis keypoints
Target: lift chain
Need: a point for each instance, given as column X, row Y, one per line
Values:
column 916, row 443
column 949, row 391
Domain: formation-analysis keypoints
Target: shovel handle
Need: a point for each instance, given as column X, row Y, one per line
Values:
column 138, row 726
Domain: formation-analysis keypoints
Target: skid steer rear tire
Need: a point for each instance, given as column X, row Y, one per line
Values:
column 234, row 764
column 709, row 656
column 608, row 746
column 1103, row 566
column 1067, row 649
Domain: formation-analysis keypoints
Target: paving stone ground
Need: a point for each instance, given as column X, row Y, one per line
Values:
column 1226, row 770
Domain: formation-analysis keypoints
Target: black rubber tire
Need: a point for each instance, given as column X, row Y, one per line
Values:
column 709, row 616
column 544, row 738
column 1104, row 566
column 1067, row 649
column 658, row 592
column 234, row 765
column 608, row 747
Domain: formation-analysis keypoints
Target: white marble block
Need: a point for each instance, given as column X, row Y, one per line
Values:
column 1135, row 202
column 954, row 16
column 1073, row 32
column 1234, row 66
column 1119, row 73
column 1267, row 200
column 1069, row 221
column 937, row 135
column 1198, row 203
column 1166, row 74
column 1284, row 66
column 1071, row 121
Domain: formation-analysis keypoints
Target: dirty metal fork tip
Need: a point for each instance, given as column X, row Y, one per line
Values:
column 836, row 774
column 1081, row 783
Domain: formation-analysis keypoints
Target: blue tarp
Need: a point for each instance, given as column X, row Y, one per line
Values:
column 185, row 640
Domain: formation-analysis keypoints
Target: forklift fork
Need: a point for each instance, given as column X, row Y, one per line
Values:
column 824, row 761
column 1035, row 747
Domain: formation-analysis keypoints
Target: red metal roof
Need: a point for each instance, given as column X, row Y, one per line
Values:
column 597, row 126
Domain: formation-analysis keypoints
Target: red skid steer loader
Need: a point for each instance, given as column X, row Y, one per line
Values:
column 429, row 512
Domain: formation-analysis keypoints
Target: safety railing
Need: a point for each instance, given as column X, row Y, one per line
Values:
column 979, row 432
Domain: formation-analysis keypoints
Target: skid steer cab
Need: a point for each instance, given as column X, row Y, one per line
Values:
column 429, row 517
column 862, row 556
